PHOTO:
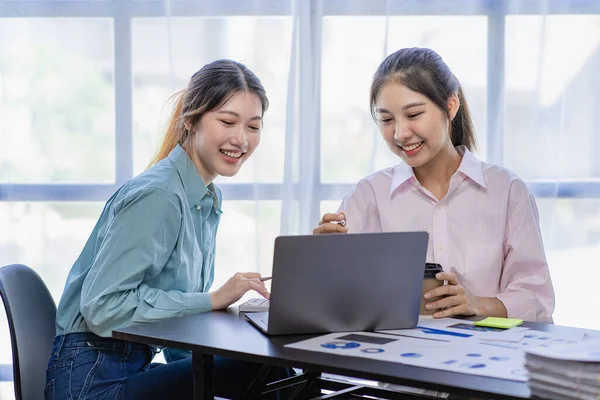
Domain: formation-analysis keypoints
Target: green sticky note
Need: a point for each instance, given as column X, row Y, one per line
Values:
column 503, row 323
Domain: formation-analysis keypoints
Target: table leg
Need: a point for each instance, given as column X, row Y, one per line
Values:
column 204, row 376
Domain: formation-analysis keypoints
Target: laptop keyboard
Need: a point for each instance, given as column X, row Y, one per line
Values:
column 255, row 305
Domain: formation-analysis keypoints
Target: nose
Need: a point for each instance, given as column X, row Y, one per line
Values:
column 239, row 137
column 401, row 132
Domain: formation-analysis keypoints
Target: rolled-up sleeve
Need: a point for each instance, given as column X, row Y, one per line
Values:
column 525, row 285
column 135, row 248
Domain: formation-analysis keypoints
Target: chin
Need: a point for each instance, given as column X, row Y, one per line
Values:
column 415, row 162
column 228, row 172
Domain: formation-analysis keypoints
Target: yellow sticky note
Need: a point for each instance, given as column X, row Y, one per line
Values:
column 503, row 323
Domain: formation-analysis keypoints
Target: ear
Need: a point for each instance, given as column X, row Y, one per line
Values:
column 188, row 125
column 453, row 105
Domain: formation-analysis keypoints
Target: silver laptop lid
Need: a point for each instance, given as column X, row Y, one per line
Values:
column 347, row 282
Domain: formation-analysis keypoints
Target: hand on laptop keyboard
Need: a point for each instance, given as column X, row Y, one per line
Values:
column 255, row 305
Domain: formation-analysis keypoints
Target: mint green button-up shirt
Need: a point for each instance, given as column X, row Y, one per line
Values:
column 150, row 255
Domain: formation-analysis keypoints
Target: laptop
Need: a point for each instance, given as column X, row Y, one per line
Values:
column 345, row 282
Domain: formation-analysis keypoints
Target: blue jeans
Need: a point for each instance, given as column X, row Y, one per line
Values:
column 85, row 366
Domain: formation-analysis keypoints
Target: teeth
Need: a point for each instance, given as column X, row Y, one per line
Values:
column 230, row 154
column 414, row 146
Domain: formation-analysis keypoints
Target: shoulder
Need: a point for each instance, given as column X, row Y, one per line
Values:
column 158, row 186
column 498, row 178
column 377, row 180
column 369, row 189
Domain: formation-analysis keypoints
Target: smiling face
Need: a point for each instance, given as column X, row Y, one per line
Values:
column 226, row 137
column 413, row 127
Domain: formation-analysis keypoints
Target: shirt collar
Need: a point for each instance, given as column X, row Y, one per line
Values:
column 193, row 184
column 402, row 173
column 470, row 166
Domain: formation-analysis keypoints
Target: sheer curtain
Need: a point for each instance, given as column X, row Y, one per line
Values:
column 84, row 84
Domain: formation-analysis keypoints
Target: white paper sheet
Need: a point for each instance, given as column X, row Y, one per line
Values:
column 585, row 350
column 538, row 339
column 468, row 357
column 446, row 344
column 450, row 330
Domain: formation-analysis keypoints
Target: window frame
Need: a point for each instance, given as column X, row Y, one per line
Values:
column 123, row 11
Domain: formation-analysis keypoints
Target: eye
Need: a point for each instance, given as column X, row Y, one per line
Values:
column 254, row 128
column 415, row 115
column 385, row 120
column 227, row 123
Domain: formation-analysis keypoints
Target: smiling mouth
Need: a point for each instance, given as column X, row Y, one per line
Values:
column 231, row 154
column 412, row 146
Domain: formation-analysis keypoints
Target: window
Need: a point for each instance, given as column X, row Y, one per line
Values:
column 58, row 109
column 353, row 47
column 529, row 74
column 82, row 113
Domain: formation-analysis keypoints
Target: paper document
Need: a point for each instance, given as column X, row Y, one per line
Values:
column 454, row 345
column 450, row 329
column 584, row 350
column 467, row 357
column 567, row 371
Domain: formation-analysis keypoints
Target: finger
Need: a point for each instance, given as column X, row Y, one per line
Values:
column 256, row 281
column 446, row 302
column 242, row 287
column 260, row 289
column 330, row 228
column 447, row 276
column 250, row 275
column 326, row 218
column 332, row 217
column 457, row 310
column 446, row 290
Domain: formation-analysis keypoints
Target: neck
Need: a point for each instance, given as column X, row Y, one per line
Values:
column 436, row 173
column 206, row 177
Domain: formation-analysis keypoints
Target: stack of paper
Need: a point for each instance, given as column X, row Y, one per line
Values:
column 568, row 371
column 460, row 346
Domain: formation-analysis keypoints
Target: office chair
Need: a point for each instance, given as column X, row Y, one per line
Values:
column 31, row 316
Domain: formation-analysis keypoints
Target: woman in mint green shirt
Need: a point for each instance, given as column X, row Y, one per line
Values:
column 151, row 253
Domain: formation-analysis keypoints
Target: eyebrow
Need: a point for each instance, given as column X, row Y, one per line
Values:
column 406, row 107
column 237, row 115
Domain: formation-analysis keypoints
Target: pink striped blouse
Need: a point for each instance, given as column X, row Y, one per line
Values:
column 485, row 230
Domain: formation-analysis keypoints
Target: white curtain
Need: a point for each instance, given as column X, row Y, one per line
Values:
column 84, row 84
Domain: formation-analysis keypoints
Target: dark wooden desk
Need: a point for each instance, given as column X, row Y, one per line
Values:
column 228, row 334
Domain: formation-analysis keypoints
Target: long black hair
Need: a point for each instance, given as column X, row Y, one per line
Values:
column 423, row 70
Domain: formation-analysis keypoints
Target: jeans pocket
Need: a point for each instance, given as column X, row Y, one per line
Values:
column 58, row 376
column 83, row 371
column 49, row 390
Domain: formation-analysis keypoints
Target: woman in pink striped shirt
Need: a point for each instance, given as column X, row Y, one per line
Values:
column 482, row 220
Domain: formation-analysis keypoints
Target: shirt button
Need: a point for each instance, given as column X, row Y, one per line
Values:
column 441, row 248
column 198, row 208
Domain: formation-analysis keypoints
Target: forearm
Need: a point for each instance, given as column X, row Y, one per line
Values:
column 110, row 311
column 491, row 307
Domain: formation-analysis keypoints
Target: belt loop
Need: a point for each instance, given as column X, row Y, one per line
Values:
column 60, row 345
column 126, row 351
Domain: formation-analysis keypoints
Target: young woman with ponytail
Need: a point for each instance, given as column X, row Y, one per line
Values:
column 151, row 254
column 482, row 219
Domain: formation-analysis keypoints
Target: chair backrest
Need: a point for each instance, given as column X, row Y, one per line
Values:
column 31, row 316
